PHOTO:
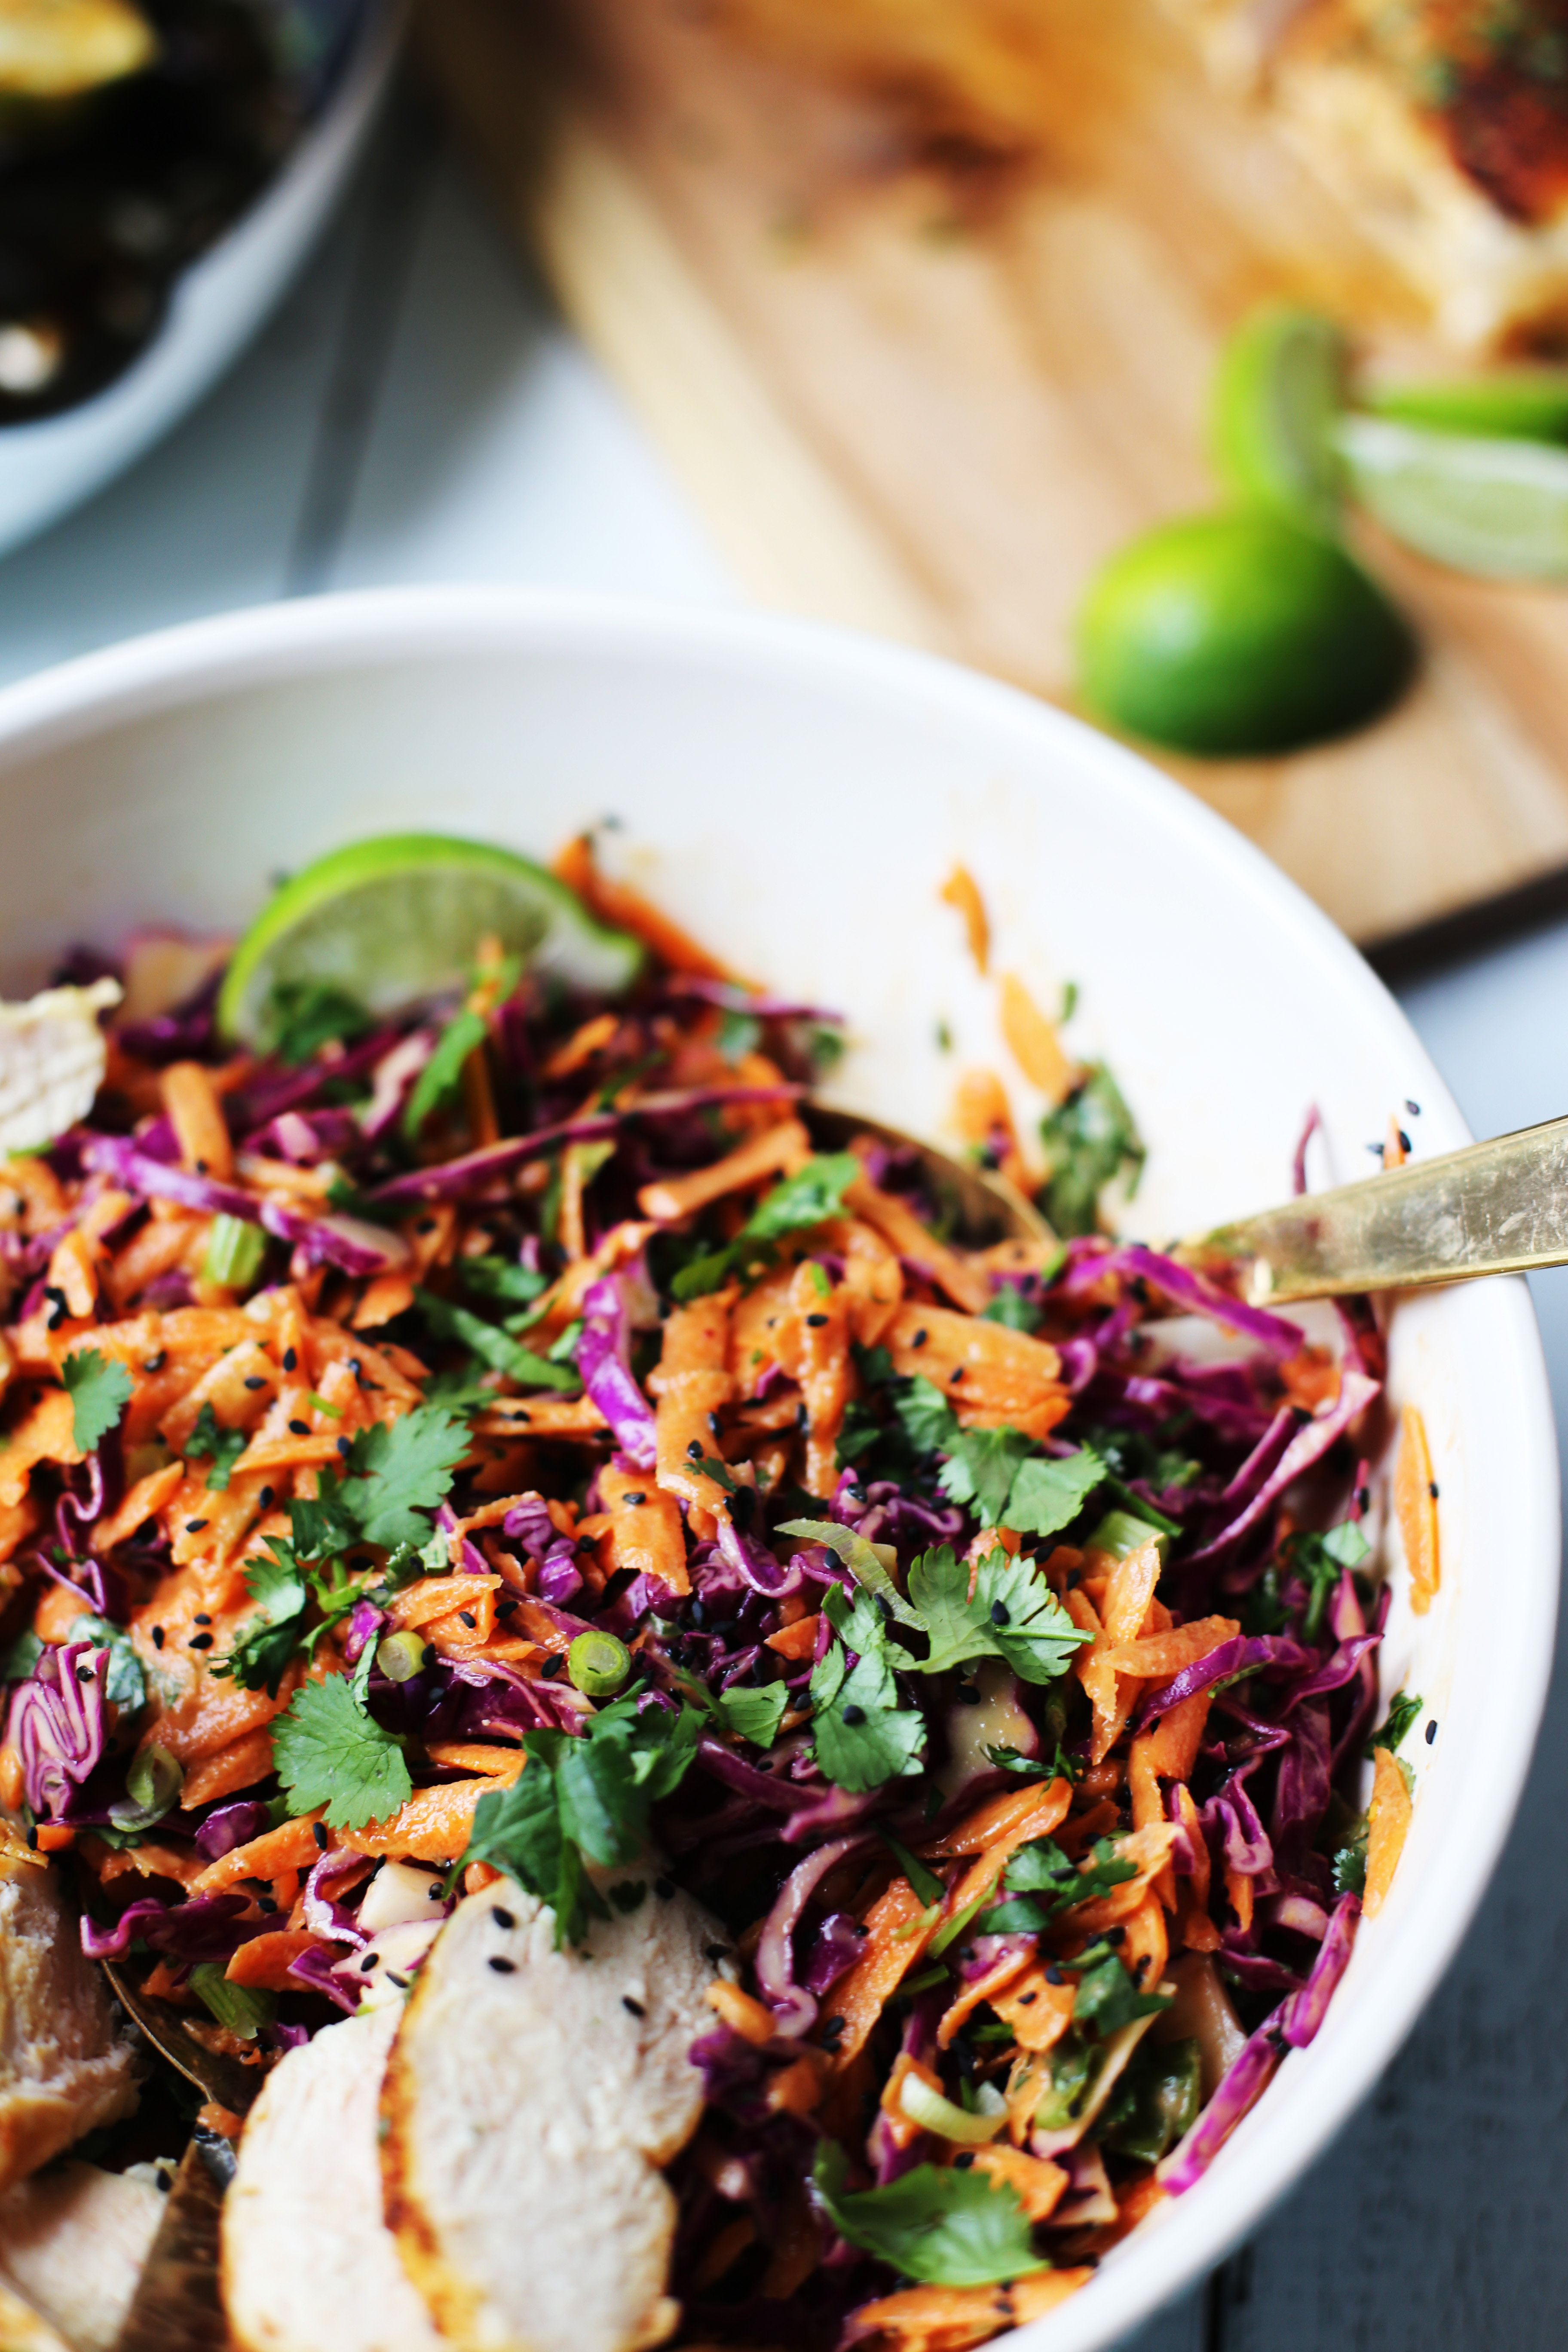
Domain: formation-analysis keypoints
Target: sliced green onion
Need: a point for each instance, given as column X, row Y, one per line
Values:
column 243, row 2009
column 1119, row 1533
column 152, row 1784
column 234, row 1251
column 934, row 2114
column 401, row 1655
column 598, row 1663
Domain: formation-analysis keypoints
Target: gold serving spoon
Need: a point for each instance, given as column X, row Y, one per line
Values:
column 1497, row 1207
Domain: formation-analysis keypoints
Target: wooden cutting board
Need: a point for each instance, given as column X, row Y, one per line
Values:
column 927, row 400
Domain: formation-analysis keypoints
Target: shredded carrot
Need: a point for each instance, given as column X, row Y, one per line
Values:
column 434, row 1825
column 951, row 2318
column 264, row 1961
column 741, row 2013
column 961, row 890
column 1416, row 1506
column 966, row 1283
column 239, row 1766
column 1033, row 1042
column 292, row 1845
column 1388, row 1820
column 627, row 910
column 898, row 1927
column 979, row 1991
column 1035, row 2180
column 1037, row 2012
column 646, row 1535
column 1158, row 1656
column 974, row 1363
column 775, row 1149
column 1007, row 1820
column 196, row 1117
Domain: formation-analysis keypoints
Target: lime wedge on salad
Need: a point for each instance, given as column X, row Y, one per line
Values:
column 388, row 922
column 1279, row 387
column 1496, row 507
column 1517, row 404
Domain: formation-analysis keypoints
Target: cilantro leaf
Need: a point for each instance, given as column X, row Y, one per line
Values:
column 754, row 1715
column 929, row 1420
column 1013, row 1614
column 17, row 1664
column 218, row 1447
column 125, row 1686
column 581, row 1799
column 1089, row 1139
column 861, row 1736
column 1403, row 1710
column 99, row 1391
column 980, row 1467
column 401, row 1471
column 1044, row 1882
column 493, row 1346
column 1107, row 1998
column 810, row 1197
column 261, row 1652
column 304, row 1015
column 938, row 2225
column 497, row 1278
column 1012, row 1310
column 1319, row 1561
column 439, row 1079
column 1047, row 1496
column 330, row 1752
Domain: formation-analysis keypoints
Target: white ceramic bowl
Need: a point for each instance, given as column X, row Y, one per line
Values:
column 798, row 798
column 48, row 467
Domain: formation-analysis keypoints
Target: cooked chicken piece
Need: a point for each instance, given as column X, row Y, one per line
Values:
column 63, row 2070
column 531, row 2097
column 52, row 1051
column 1441, row 124
column 308, row 2264
column 72, row 2245
column 60, row 49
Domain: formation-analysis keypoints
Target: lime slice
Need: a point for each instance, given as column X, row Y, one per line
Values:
column 1277, row 390
column 1524, row 405
column 391, row 920
column 1497, row 508
column 1237, row 633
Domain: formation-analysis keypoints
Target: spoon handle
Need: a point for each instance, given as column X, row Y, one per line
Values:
column 1498, row 1207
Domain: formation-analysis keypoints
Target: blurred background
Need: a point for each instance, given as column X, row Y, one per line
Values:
column 637, row 316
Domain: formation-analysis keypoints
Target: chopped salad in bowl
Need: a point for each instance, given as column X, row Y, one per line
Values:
column 666, row 1699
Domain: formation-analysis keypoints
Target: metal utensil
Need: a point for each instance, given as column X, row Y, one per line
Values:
column 178, row 2302
column 1497, row 1207
column 170, row 2034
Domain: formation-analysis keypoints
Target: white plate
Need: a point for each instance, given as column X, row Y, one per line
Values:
column 796, row 797
column 48, row 467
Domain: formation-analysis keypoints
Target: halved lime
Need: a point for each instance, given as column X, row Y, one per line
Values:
column 1237, row 633
column 1497, row 508
column 1277, row 390
column 391, row 920
column 1514, row 404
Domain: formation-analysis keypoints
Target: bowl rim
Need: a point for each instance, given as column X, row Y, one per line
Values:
column 205, row 660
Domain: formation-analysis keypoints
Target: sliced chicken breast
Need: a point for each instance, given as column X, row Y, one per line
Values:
column 72, row 2245
column 531, row 2097
column 63, row 2070
column 308, row 2264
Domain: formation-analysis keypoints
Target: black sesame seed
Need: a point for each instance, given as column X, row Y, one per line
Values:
column 998, row 1612
column 156, row 1363
column 1026, row 1998
column 318, row 1831
column 715, row 1952
column 194, row 1527
column 267, row 1903
column 255, row 1381
column 502, row 1918
column 854, row 1715
column 300, row 1428
column 33, row 1840
column 367, row 1962
column 264, row 1499
column 401, row 1982
column 343, row 1446
column 1403, row 1141
column 631, row 1502
column 84, row 1674
column 815, row 1321
column 502, row 1966
column 956, row 1374
column 1114, row 1935
column 425, row 1225
column 467, row 1617
column 428, row 1656
column 552, row 1667
column 201, row 1642
column 1432, row 1488
column 1054, row 1976
column 157, row 1637
column 920, row 1338
column 833, row 2029
column 1364, row 1498
column 201, row 1617
column 967, row 1696
column 964, row 2160
column 290, row 1359
column 694, row 1450
column 1431, row 1732
column 633, row 2008
column 1412, row 1107
column 506, row 1608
